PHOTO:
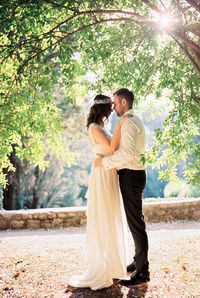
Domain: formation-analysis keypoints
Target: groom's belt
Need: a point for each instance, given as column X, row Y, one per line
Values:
column 126, row 171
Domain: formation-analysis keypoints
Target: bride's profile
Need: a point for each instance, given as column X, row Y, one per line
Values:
column 105, row 240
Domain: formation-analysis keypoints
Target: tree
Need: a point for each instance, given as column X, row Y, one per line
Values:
column 150, row 46
column 55, row 186
column 180, row 189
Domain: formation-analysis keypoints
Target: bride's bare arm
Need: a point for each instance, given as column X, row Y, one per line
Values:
column 114, row 143
column 100, row 137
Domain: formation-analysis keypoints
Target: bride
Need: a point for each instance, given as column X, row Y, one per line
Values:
column 105, row 241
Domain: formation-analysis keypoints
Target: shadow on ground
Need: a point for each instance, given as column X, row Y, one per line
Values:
column 115, row 290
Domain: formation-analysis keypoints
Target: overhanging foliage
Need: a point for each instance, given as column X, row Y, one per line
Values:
column 146, row 45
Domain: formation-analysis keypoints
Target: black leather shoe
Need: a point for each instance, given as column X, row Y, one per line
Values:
column 131, row 267
column 136, row 278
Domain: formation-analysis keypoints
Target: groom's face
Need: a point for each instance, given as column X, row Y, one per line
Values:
column 118, row 106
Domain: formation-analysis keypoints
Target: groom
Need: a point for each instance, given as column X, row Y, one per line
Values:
column 132, row 180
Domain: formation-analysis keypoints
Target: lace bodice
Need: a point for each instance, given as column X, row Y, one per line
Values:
column 99, row 148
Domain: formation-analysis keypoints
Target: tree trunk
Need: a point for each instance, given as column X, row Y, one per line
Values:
column 35, row 202
column 11, row 200
column 8, row 201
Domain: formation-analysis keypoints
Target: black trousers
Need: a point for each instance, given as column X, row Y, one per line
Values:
column 132, row 184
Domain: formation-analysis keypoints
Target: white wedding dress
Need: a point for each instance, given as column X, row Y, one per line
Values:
column 105, row 240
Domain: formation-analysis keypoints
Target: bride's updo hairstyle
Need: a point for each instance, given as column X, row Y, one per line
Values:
column 100, row 110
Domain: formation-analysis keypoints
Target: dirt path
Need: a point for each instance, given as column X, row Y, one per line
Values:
column 39, row 263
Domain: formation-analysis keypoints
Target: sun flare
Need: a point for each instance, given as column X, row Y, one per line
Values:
column 166, row 21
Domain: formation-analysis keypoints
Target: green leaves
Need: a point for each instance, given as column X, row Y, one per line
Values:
column 43, row 44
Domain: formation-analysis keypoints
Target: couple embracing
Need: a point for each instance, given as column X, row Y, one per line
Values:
column 117, row 169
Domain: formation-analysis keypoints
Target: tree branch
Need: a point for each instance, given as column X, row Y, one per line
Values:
column 92, row 12
column 57, row 5
column 112, row 11
column 138, row 19
column 96, row 12
column 194, row 4
column 163, row 5
column 21, row 3
column 185, row 50
column 129, row 20
column 152, row 6
column 187, row 41
column 191, row 59
column 197, row 55
column 139, row 43
column 54, row 4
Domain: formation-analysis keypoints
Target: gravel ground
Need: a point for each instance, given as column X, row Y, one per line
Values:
column 38, row 263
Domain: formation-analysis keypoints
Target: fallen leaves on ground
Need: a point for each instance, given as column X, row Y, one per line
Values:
column 39, row 263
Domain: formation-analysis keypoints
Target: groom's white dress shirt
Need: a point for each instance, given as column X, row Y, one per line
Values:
column 132, row 145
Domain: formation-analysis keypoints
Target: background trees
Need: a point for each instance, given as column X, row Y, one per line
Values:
column 151, row 47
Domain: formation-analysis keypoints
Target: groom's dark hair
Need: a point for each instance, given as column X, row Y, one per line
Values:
column 127, row 94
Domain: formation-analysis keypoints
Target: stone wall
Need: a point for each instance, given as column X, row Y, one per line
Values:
column 76, row 216
column 42, row 218
column 172, row 210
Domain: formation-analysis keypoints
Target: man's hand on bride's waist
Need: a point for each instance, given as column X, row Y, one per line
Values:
column 98, row 161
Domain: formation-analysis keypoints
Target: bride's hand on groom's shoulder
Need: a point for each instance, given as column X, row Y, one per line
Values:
column 123, row 118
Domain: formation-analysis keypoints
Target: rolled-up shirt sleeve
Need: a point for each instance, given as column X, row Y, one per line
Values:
column 126, row 151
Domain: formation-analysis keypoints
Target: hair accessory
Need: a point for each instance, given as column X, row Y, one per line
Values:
column 102, row 101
